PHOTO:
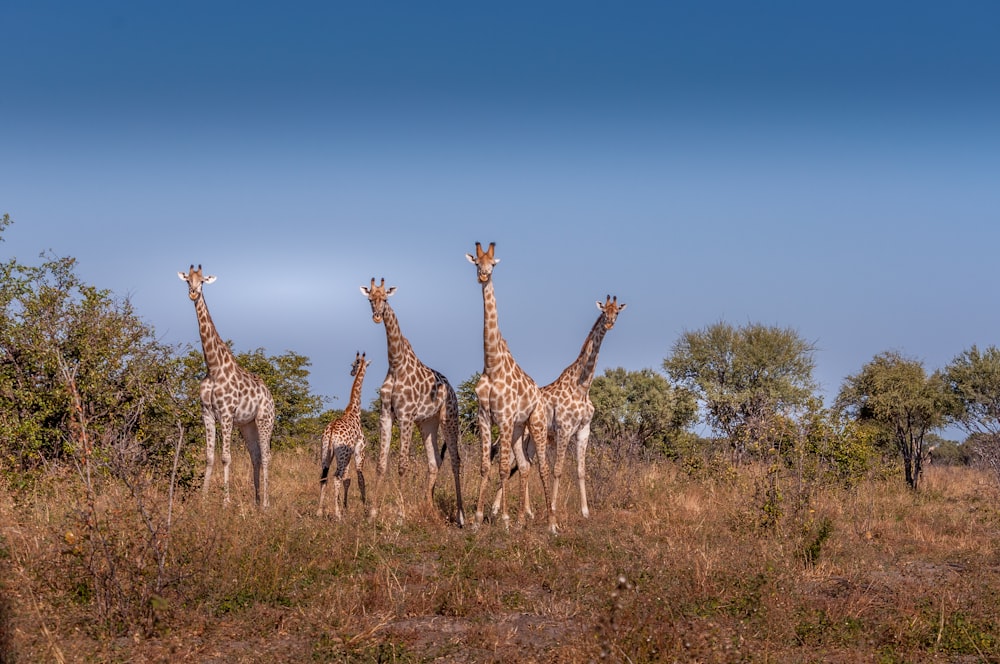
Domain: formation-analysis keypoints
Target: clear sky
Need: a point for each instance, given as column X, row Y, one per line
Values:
column 829, row 167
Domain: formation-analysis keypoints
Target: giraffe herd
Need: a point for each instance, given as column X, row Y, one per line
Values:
column 529, row 418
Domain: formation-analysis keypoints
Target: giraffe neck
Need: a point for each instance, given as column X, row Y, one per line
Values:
column 354, row 405
column 589, row 352
column 494, row 347
column 218, row 358
column 399, row 347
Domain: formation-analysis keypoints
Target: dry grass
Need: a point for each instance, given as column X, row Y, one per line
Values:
column 666, row 569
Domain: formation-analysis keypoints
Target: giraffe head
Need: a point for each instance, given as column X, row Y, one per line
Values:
column 611, row 308
column 195, row 279
column 359, row 364
column 377, row 295
column 484, row 262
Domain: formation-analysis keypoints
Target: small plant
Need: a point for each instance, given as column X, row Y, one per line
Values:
column 815, row 541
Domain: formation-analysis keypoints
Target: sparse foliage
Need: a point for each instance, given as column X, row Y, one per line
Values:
column 896, row 394
column 743, row 376
column 637, row 411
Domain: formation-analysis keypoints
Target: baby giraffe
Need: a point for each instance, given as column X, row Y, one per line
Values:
column 342, row 439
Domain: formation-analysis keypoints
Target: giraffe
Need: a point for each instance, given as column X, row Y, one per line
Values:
column 342, row 439
column 230, row 395
column 508, row 397
column 567, row 398
column 413, row 395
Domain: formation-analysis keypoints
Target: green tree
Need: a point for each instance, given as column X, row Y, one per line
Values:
column 468, row 408
column 895, row 393
column 973, row 379
column 639, row 410
column 744, row 377
column 73, row 358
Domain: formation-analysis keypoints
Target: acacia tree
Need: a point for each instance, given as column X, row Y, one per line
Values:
column 896, row 393
column 973, row 379
column 744, row 377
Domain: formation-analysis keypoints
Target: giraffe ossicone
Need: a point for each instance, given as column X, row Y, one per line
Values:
column 230, row 396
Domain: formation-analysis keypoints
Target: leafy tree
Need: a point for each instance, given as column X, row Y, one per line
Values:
column 744, row 376
column 639, row 410
column 973, row 378
column 895, row 393
column 73, row 357
column 468, row 408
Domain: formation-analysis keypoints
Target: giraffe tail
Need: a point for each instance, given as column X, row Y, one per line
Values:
column 322, row 477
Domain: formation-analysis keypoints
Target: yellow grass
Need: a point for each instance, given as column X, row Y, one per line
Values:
column 668, row 568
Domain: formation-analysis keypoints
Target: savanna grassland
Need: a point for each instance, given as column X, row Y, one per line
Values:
column 729, row 565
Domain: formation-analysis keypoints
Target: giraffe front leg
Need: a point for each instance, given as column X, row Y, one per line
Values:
column 484, row 421
column 384, row 441
column 265, row 427
column 521, row 451
column 506, row 445
column 227, row 457
column 209, row 422
column 582, row 438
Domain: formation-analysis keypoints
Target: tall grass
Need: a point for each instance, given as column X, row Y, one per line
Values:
column 743, row 564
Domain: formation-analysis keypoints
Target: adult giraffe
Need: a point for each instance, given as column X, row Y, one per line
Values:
column 230, row 395
column 508, row 397
column 567, row 399
column 413, row 394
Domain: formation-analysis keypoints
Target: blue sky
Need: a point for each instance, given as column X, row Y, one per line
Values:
column 829, row 167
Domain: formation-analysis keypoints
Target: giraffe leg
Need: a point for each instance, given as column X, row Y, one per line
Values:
column 582, row 438
column 209, row 421
column 322, row 489
column 539, row 431
column 227, row 457
column 506, row 445
column 523, row 467
column 384, row 440
column 429, row 432
column 264, row 425
column 562, row 443
column 450, row 426
column 252, row 440
column 343, row 455
column 359, row 462
column 485, row 422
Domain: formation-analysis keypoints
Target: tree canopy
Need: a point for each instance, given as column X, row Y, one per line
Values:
column 743, row 376
column 895, row 392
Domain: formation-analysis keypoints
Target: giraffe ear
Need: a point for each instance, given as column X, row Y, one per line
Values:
column 365, row 291
column 182, row 276
column 390, row 291
column 209, row 279
column 600, row 305
column 471, row 259
column 621, row 306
